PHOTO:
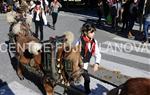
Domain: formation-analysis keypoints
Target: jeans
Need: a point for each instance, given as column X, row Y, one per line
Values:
column 146, row 27
column 54, row 17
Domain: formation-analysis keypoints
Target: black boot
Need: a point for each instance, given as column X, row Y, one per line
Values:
column 87, row 87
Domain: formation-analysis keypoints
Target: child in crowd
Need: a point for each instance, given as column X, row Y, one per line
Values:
column 89, row 48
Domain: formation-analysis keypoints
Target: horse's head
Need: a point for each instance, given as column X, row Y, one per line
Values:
column 19, row 23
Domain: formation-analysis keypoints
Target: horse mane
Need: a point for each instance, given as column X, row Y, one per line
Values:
column 70, row 37
column 31, row 43
column 10, row 17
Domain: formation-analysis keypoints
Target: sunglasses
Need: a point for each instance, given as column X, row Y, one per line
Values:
column 91, row 31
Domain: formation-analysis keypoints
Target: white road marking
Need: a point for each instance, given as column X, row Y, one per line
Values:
column 140, row 59
column 124, row 70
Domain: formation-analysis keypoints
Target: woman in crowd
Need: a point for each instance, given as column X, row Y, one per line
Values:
column 54, row 6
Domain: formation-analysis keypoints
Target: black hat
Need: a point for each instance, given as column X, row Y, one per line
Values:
column 38, row 3
column 88, row 27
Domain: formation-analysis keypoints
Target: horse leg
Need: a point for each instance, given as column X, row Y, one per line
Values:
column 48, row 88
column 19, row 70
column 65, row 91
column 48, row 85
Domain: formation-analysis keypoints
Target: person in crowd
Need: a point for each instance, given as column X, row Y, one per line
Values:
column 16, row 5
column 54, row 6
column 39, row 19
column 115, row 13
column 10, row 5
column 4, row 7
column 147, row 27
column 106, row 8
column 99, row 10
column 133, row 12
column 1, row 5
column 44, row 5
column 125, row 15
column 89, row 48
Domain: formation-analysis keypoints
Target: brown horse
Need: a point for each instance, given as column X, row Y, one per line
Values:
column 67, row 61
column 20, row 23
column 70, row 62
column 69, row 65
column 133, row 86
column 27, row 52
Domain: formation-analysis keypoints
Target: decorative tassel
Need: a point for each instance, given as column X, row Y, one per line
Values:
column 61, row 77
column 58, row 65
column 59, row 71
column 58, row 59
column 63, row 82
column 68, row 84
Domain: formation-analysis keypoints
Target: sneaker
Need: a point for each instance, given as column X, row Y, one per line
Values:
column 131, row 37
column 146, row 42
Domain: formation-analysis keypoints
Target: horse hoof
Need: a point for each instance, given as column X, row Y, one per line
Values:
column 21, row 78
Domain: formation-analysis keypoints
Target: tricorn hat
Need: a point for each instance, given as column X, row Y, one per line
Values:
column 38, row 2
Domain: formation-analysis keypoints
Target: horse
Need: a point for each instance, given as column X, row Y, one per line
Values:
column 133, row 86
column 69, row 68
column 20, row 23
column 27, row 52
column 65, row 61
column 26, row 44
column 68, row 63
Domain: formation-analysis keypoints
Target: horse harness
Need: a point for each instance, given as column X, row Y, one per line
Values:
column 49, row 61
column 67, row 65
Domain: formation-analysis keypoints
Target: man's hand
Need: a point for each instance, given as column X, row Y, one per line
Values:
column 81, row 65
column 95, row 67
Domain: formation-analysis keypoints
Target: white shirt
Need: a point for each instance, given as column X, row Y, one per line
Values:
column 32, row 4
column 46, row 3
column 55, row 7
column 97, row 54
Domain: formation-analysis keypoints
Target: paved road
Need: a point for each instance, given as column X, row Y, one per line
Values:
column 121, row 58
